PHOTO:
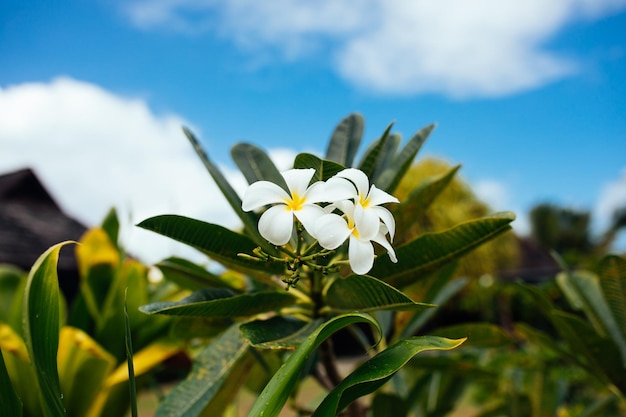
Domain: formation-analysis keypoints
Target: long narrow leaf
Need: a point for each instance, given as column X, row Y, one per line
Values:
column 373, row 152
column 276, row 392
column 10, row 404
column 345, row 140
column 583, row 290
column 132, row 386
column 372, row 374
column 390, row 178
column 249, row 219
column 255, row 165
column 210, row 371
column 41, row 328
column 365, row 293
column 222, row 304
column 188, row 275
column 431, row 251
column 216, row 241
column 612, row 276
column 83, row 367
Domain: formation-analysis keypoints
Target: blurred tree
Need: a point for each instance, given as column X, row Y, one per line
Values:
column 455, row 204
column 567, row 231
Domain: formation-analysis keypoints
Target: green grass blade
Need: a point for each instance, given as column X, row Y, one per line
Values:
column 41, row 328
column 128, row 342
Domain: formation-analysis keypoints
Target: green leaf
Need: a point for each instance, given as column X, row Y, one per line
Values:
column 375, row 372
column 442, row 288
column 583, row 291
column 345, row 140
column 41, row 328
column 83, row 367
column 612, row 274
column 431, row 251
column 276, row 392
column 189, row 275
column 365, row 293
column 275, row 333
column 255, row 165
column 12, row 281
column 419, row 200
column 128, row 343
column 20, row 369
column 216, row 241
column 370, row 159
column 249, row 219
column 111, row 225
column 324, row 169
column 598, row 355
column 210, row 371
column 222, row 303
column 484, row 335
column 391, row 176
column 10, row 404
column 385, row 404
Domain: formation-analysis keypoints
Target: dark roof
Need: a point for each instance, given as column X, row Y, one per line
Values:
column 31, row 221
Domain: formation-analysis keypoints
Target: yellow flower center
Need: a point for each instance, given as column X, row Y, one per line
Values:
column 352, row 226
column 296, row 202
column 364, row 200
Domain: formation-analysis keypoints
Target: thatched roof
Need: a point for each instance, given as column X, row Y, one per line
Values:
column 31, row 221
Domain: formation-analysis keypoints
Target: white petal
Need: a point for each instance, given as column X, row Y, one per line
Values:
column 346, row 207
column 358, row 177
column 316, row 193
column 261, row 193
column 276, row 224
column 377, row 197
column 361, row 255
column 308, row 215
column 380, row 239
column 340, row 189
column 331, row 231
column 387, row 218
column 366, row 221
column 298, row 179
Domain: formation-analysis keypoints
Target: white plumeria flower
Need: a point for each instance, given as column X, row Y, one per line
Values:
column 367, row 200
column 332, row 230
column 276, row 223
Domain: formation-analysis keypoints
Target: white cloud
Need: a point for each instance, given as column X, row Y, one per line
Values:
column 612, row 197
column 453, row 47
column 492, row 192
column 94, row 150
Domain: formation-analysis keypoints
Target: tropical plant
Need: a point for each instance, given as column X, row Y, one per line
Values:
column 317, row 260
column 302, row 283
column 75, row 365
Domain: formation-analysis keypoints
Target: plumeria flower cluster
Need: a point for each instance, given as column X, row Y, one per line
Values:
column 345, row 207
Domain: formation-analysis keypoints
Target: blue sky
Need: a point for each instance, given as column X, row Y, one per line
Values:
column 529, row 96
